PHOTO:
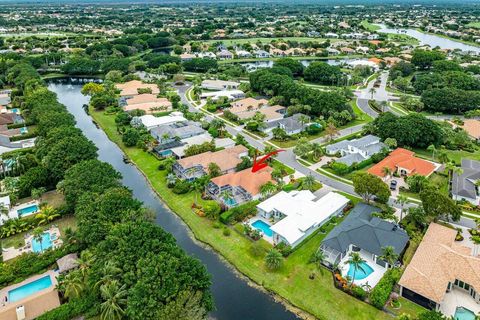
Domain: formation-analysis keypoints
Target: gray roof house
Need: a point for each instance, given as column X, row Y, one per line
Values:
column 175, row 131
column 362, row 232
column 357, row 150
column 291, row 125
column 464, row 185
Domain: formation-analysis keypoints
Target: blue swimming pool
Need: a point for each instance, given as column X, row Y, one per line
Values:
column 360, row 273
column 23, row 130
column 27, row 210
column 29, row 288
column 230, row 202
column 462, row 313
column 44, row 245
column 263, row 226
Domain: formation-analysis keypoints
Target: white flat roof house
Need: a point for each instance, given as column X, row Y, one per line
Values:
column 219, row 84
column 229, row 94
column 150, row 121
column 299, row 214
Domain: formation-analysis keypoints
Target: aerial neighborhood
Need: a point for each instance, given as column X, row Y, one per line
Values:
column 327, row 153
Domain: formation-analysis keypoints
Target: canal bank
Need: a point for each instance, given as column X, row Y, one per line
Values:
column 234, row 297
column 292, row 282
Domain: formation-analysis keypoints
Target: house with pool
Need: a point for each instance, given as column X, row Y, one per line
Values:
column 363, row 232
column 18, row 211
column 30, row 298
column 196, row 166
column 235, row 188
column 290, row 217
column 444, row 274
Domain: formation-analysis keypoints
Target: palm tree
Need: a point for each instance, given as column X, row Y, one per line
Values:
column 171, row 179
column 389, row 255
column 331, row 131
column 214, row 170
column 165, row 137
column 432, row 149
column 387, row 172
column 73, row 285
column 84, row 263
column 47, row 214
column 356, row 261
column 197, row 188
column 38, row 236
column 317, row 150
column 402, row 200
column 303, row 119
column 110, row 272
column 227, row 195
column 308, row 183
column 168, row 163
column 442, row 156
column 267, row 189
column 318, row 258
column 273, row 259
column 4, row 210
column 450, row 166
column 458, row 171
column 115, row 299
column 372, row 91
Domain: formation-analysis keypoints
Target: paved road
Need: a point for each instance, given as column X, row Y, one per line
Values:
column 288, row 157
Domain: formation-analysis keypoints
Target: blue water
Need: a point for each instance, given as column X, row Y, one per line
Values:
column 230, row 202
column 23, row 130
column 463, row 314
column 29, row 289
column 27, row 210
column 259, row 224
column 15, row 110
column 360, row 274
column 46, row 243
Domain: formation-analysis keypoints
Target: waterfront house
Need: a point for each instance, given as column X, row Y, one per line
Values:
column 196, row 166
column 131, row 88
column 297, row 214
column 236, row 188
column 176, row 131
column 444, row 274
column 150, row 121
column 228, row 94
column 146, row 102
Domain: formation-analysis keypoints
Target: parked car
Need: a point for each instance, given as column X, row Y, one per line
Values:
column 393, row 185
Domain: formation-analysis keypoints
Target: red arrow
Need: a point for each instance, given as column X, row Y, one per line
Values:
column 260, row 164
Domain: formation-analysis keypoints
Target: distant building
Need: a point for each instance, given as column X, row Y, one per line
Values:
column 464, row 186
column 219, row 85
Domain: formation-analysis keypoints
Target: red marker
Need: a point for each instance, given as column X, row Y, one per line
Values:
column 260, row 164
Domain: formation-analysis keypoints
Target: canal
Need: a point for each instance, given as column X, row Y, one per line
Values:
column 234, row 298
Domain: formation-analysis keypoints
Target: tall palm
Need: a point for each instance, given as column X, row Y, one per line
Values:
column 110, row 272
column 267, row 189
column 317, row 150
column 449, row 167
column 442, row 156
column 227, row 195
column 168, row 163
column 331, row 131
column 38, row 236
column 356, row 261
column 171, row 179
column 197, row 188
column 458, row 171
column 4, row 210
column 303, row 119
column 387, row 172
column 372, row 91
column 308, row 183
column 47, row 214
column 402, row 200
column 73, row 284
column 115, row 300
column 318, row 258
column 389, row 255
column 432, row 149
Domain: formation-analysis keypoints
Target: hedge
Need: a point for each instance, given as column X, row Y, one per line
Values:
column 29, row 264
column 72, row 309
column 381, row 292
column 239, row 213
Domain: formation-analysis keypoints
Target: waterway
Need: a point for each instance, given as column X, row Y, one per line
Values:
column 234, row 298
column 430, row 39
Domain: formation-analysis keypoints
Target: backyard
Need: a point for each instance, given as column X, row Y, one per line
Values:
column 318, row 297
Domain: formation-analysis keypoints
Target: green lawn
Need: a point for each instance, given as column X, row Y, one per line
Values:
column 475, row 25
column 454, row 155
column 18, row 239
column 318, row 297
column 407, row 307
column 370, row 27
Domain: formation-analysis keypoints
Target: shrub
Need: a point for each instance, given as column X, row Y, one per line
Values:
column 181, row 187
column 382, row 290
column 212, row 209
column 284, row 249
column 227, row 232
column 359, row 293
column 239, row 213
column 216, row 225
column 72, row 309
column 257, row 250
column 340, row 168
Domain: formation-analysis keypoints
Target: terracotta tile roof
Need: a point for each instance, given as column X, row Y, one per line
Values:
column 246, row 104
column 148, row 103
column 271, row 113
column 246, row 179
column 402, row 158
column 472, row 127
column 130, row 88
column 438, row 261
column 226, row 159
column 375, row 60
column 6, row 118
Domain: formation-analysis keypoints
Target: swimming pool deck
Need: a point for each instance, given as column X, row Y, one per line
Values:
column 458, row 298
column 258, row 217
column 34, row 305
column 11, row 252
column 373, row 278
